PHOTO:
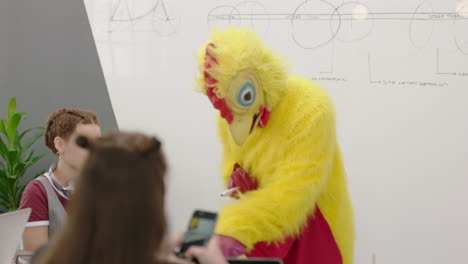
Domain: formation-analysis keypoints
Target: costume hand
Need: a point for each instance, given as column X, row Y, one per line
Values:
column 242, row 180
column 230, row 247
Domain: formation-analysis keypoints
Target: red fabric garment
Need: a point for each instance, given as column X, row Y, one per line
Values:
column 316, row 245
column 35, row 197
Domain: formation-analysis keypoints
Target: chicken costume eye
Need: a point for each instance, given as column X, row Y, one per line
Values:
column 247, row 94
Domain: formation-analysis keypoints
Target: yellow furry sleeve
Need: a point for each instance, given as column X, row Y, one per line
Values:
column 291, row 159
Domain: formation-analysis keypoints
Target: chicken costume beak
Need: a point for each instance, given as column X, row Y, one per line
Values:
column 245, row 98
column 242, row 126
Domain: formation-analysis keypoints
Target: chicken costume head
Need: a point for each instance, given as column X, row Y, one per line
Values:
column 243, row 80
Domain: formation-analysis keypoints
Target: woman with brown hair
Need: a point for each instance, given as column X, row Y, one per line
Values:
column 117, row 214
column 48, row 194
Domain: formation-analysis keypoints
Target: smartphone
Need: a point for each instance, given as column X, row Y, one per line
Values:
column 200, row 229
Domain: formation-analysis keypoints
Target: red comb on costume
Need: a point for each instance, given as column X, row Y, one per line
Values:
column 265, row 115
column 211, row 82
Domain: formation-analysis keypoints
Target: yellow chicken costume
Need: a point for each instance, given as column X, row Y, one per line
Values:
column 280, row 154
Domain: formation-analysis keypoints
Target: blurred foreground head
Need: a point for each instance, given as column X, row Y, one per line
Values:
column 117, row 212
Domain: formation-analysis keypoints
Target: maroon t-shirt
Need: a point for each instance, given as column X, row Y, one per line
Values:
column 35, row 197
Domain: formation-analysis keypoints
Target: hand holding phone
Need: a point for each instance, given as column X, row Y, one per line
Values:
column 200, row 229
column 211, row 254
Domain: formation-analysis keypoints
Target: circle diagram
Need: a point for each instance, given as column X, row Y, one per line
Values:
column 421, row 28
column 356, row 21
column 311, row 24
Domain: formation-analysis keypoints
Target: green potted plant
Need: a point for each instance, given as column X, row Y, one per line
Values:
column 16, row 157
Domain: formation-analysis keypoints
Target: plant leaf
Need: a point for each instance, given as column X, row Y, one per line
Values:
column 32, row 140
column 20, row 168
column 13, row 144
column 11, row 184
column 23, row 114
column 20, row 137
column 19, row 192
column 37, row 158
column 3, row 203
column 11, row 157
column 2, row 174
column 3, row 149
column 3, row 196
column 11, row 108
column 3, row 187
column 3, row 129
column 22, row 172
column 12, row 129
column 30, row 155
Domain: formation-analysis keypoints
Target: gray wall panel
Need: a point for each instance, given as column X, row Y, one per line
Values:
column 48, row 60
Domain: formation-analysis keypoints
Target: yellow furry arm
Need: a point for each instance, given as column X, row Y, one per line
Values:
column 228, row 159
column 288, row 189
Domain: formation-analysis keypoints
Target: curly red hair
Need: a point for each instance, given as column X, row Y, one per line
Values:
column 62, row 123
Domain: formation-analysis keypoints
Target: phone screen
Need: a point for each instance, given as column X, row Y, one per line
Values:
column 200, row 230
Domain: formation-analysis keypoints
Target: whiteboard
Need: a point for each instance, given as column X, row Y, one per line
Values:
column 396, row 70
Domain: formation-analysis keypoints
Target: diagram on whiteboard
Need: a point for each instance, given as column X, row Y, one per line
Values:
column 315, row 24
column 142, row 16
column 348, row 22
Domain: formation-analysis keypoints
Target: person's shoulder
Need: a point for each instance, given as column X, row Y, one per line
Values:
column 35, row 186
column 33, row 193
column 35, row 197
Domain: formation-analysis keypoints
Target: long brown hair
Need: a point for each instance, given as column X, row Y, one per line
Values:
column 117, row 212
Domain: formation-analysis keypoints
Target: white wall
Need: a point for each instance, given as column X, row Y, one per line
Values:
column 398, row 77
